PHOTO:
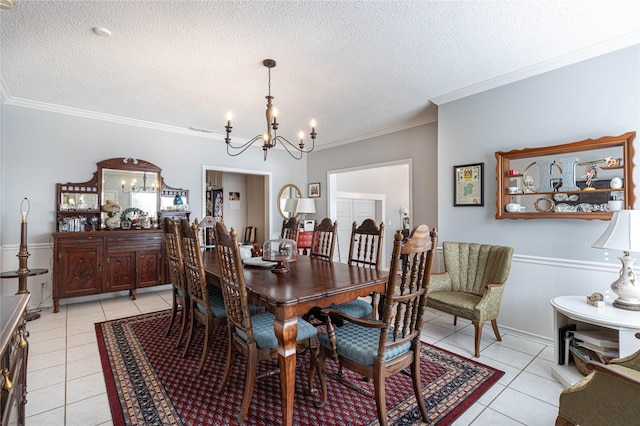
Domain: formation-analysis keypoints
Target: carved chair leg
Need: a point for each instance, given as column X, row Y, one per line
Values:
column 174, row 312
column 184, row 323
column 478, row 326
column 252, row 366
column 494, row 324
column 417, row 385
column 208, row 331
column 455, row 320
column 379, row 395
column 231, row 355
column 323, row 381
column 192, row 330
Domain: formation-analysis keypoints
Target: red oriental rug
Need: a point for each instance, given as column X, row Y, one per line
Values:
column 149, row 383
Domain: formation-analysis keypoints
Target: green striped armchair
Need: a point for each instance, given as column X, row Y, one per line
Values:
column 472, row 285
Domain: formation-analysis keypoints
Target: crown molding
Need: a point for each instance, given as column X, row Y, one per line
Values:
column 77, row 112
column 550, row 65
column 429, row 118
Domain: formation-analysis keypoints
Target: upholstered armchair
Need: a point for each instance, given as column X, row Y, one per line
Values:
column 609, row 395
column 472, row 285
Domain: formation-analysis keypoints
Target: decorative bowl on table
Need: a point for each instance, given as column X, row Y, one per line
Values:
column 281, row 251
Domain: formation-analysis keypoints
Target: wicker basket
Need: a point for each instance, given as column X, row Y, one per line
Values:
column 581, row 365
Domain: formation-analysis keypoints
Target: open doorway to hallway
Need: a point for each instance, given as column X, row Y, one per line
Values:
column 245, row 198
column 379, row 191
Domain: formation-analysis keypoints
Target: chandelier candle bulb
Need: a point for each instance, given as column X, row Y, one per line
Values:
column 271, row 138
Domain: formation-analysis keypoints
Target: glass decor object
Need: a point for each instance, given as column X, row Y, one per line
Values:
column 623, row 234
column 281, row 251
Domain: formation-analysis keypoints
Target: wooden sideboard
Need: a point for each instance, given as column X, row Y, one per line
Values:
column 95, row 262
column 14, row 349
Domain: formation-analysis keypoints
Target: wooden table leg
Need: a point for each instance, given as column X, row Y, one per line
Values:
column 286, row 331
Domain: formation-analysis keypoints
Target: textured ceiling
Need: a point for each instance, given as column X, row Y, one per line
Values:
column 359, row 68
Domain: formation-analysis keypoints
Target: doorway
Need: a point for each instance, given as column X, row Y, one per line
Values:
column 246, row 198
column 382, row 191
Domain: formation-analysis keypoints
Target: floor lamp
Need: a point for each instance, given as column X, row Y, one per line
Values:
column 23, row 255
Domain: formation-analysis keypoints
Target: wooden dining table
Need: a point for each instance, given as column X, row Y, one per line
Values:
column 309, row 283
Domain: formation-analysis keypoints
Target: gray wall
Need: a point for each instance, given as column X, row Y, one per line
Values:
column 42, row 148
column 594, row 98
column 419, row 143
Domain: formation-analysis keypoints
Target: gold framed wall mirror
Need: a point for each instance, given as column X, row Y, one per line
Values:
column 287, row 198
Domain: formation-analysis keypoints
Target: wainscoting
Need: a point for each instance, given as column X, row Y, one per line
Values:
column 525, row 311
column 534, row 281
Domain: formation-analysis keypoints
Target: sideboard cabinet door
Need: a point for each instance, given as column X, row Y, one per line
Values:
column 77, row 267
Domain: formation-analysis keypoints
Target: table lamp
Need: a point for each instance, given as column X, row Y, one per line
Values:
column 623, row 233
column 290, row 206
column 304, row 206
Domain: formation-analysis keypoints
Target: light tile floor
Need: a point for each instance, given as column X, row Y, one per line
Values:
column 66, row 385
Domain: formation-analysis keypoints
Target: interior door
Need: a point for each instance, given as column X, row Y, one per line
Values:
column 348, row 211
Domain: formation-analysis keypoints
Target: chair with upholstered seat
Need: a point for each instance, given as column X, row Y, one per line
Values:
column 180, row 294
column 365, row 251
column 377, row 349
column 251, row 336
column 290, row 229
column 323, row 240
column 472, row 285
column 609, row 395
column 206, row 309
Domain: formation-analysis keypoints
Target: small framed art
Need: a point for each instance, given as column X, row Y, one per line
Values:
column 468, row 185
column 314, row 190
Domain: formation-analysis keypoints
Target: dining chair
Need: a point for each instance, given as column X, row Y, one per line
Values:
column 206, row 309
column 180, row 294
column 380, row 348
column 323, row 240
column 290, row 229
column 249, row 235
column 249, row 335
column 365, row 251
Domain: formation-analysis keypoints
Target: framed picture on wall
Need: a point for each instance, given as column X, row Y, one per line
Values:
column 468, row 185
column 314, row 190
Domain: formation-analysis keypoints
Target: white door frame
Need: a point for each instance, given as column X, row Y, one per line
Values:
column 268, row 188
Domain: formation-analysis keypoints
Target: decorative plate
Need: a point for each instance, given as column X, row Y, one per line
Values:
column 258, row 262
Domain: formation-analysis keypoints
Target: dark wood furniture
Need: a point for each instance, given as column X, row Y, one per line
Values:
column 206, row 309
column 391, row 344
column 14, row 351
column 89, row 259
column 323, row 241
column 95, row 262
column 175, row 264
column 309, row 283
column 290, row 229
column 554, row 186
column 250, row 335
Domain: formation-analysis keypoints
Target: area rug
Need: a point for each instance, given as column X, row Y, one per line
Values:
column 149, row 383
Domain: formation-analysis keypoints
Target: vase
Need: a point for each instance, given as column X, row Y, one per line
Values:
column 112, row 222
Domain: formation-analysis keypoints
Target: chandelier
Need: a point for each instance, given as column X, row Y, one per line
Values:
column 143, row 188
column 271, row 138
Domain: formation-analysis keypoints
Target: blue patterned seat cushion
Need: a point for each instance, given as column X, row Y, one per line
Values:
column 264, row 336
column 356, row 308
column 216, row 303
column 361, row 344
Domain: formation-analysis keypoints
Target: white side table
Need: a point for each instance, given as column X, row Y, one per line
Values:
column 576, row 310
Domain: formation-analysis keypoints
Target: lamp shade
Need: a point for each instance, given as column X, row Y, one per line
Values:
column 290, row 205
column 623, row 232
column 306, row 205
